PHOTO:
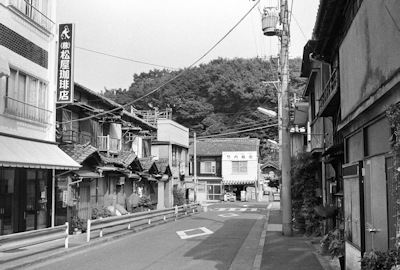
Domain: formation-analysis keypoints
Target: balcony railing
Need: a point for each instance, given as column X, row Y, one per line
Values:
column 330, row 88
column 72, row 136
column 105, row 143
column 152, row 116
column 33, row 13
column 26, row 111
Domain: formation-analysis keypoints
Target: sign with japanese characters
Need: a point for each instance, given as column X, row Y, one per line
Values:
column 65, row 82
column 239, row 155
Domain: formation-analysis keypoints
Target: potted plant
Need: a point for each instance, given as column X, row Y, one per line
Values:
column 325, row 242
column 336, row 246
column 79, row 225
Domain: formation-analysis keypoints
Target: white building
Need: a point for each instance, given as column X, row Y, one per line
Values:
column 29, row 157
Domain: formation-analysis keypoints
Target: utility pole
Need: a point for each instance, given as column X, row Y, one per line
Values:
column 286, row 198
column 269, row 21
column 195, row 166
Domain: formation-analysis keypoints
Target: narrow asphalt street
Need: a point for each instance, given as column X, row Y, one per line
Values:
column 210, row 240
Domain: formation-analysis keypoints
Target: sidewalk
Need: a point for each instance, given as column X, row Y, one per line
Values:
column 291, row 252
column 265, row 245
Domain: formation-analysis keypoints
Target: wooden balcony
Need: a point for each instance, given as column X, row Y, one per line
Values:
column 108, row 144
column 330, row 98
column 76, row 137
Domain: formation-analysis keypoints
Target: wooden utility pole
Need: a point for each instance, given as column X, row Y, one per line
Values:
column 286, row 198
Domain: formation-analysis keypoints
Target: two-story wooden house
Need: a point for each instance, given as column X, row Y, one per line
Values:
column 108, row 142
column 29, row 156
column 355, row 52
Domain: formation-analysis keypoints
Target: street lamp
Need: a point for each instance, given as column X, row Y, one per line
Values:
column 267, row 112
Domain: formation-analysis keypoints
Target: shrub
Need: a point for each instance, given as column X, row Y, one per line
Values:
column 304, row 198
column 384, row 260
column 145, row 203
column 100, row 213
column 179, row 197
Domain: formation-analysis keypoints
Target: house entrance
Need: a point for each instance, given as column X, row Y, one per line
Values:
column 36, row 203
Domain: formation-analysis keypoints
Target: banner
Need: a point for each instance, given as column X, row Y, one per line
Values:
column 65, row 71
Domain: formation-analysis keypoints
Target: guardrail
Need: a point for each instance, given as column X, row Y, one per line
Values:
column 100, row 224
column 25, row 239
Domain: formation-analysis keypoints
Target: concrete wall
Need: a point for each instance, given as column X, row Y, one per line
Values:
column 366, row 62
column 353, row 257
column 168, row 130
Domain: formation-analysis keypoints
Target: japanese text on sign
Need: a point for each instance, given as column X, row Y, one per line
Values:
column 65, row 84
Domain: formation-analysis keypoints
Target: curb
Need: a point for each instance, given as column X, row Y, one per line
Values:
column 327, row 264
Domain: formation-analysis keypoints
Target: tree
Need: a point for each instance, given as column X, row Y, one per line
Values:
column 221, row 96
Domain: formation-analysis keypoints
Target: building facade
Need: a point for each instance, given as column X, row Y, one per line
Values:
column 30, row 158
column 226, row 166
column 113, row 147
column 356, row 56
column 172, row 146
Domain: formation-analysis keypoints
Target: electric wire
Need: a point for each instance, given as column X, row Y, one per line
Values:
column 170, row 80
column 124, row 58
column 301, row 30
column 238, row 129
column 236, row 132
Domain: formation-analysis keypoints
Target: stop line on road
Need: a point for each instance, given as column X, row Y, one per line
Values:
column 237, row 209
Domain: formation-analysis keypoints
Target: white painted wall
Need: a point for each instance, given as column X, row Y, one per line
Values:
column 252, row 165
column 25, row 28
column 171, row 131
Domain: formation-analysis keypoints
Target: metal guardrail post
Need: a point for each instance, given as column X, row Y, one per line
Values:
column 66, row 235
column 89, row 222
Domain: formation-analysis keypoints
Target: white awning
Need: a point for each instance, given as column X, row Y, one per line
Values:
column 17, row 152
column 238, row 182
column 4, row 67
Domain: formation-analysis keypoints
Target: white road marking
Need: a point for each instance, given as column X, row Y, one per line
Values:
column 229, row 215
column 184, row 235
column 237, row 209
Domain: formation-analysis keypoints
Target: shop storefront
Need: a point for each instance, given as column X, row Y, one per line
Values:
column 27, row 173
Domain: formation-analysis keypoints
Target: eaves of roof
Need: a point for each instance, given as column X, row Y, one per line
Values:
column 79, row 152
column 215, row 147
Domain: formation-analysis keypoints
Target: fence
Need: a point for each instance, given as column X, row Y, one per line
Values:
column 25, row 239
column 100, row 224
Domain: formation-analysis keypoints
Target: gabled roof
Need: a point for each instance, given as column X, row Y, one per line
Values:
column 148, row 164
column 116, row 107
column 125, row 158
column 269, row 164
column 215, row 147
column 163, row 166
column 79, row 152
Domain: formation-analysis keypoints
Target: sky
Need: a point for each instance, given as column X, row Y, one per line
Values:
column 171, row 34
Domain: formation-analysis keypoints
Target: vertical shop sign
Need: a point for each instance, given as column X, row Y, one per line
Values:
column 65, row 71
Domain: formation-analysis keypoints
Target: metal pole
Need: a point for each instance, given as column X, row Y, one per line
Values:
column 286, row 198
column 195, row 167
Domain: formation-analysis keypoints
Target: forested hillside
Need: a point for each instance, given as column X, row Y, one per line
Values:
column 219, row 98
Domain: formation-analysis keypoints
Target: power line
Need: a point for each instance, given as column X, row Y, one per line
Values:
column 301, row 30
column 239, row 129
column 229, row 133
column 126, row 59
column 170, row 80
